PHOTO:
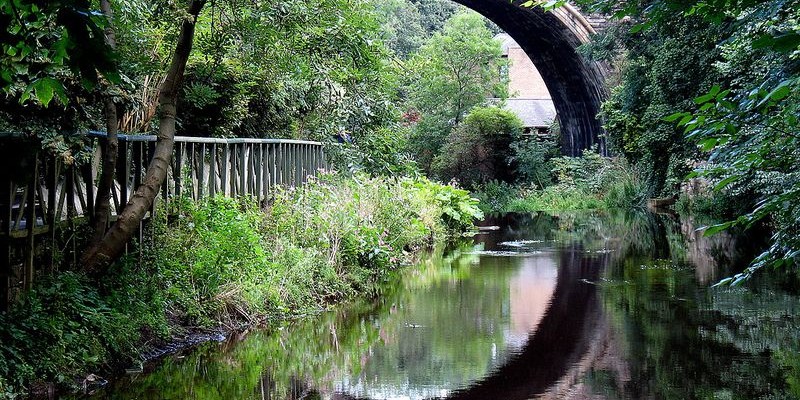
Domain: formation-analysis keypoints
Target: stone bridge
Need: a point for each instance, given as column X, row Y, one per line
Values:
column 551, row 40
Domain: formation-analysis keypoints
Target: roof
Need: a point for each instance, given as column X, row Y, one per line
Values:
column 507, row 42
column 534, row 113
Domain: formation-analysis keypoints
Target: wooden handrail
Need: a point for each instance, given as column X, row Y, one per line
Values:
column 207, row 140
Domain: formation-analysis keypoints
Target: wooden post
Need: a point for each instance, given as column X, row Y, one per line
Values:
column 88, row 179
column 30, row 219
column 273, row 151
column 259, row 170
column 124, row 172
column 243, row 170
column 298, row 165
column 279, row 170
column 224, row 170
column 192, row 166
column 52, row 204
column 70, row 188
column 212, row 174
column 176, row 172
column 201, row 174
column 5, row 247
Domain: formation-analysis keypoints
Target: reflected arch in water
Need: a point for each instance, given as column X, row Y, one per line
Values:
column 551, row 40
column 562, row 338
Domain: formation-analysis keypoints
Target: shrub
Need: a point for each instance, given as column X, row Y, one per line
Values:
column 383, row 151
column 587, row 182
column 532, row 158
column 555, row 198
column 66, row 324
column 494, row 196
column 478, row 150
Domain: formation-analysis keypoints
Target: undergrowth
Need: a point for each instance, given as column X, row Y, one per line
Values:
column 227, row 262
column 577, row 183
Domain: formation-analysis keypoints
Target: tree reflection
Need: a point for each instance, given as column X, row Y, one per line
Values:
column 608, row 305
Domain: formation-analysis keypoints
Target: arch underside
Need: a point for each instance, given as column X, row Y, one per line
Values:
column 551, row 42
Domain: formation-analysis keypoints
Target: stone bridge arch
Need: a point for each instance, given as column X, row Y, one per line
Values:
column 551, row 40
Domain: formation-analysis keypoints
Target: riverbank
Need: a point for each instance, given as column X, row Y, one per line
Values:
column 226, row 263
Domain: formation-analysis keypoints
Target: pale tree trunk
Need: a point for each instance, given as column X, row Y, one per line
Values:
column 113, row 243
column 109, row 148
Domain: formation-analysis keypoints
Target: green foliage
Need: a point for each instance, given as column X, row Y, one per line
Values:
column 746, row 124
column 745, row 114
column 44, row 44
column 587, row 172
column 457, row 208
column 582, row 183
column 665, row 68
column 401, row 26
column 213, row 244
column 555, row 198
column 532, row 158
column 435, row 13
column 707, row 204
column 290, row 69
column 479, row 149
column 454, row 71
column 381, row 152
column 227, row 261
column 53, row 330
column 495, row 196
column 66, row 325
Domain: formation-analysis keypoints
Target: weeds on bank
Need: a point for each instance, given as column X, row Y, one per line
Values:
column 228, row 261
column 577, row 183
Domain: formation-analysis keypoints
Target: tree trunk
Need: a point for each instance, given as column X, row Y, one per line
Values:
column 113, row 243
column 102, row 210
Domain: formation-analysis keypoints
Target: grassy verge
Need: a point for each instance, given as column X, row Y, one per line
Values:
column 589, row 182
column 226, row 262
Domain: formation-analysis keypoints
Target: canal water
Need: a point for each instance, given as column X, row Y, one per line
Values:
column 571, row 306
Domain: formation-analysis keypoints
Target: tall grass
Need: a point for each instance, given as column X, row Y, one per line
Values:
column 581, row 183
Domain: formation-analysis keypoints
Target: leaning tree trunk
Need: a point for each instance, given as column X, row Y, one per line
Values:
column 113, row 243
column 110, row 147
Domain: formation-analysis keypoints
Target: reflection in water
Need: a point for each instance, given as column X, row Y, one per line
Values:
column 551, row 306
column 445, row 334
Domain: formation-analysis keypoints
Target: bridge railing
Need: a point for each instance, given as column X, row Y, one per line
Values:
column 200, row 167
column 209, row 166
column 42, row 196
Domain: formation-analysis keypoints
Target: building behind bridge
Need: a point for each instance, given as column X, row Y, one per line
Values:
column 528, row 95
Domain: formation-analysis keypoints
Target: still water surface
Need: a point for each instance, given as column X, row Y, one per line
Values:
column 573, row 306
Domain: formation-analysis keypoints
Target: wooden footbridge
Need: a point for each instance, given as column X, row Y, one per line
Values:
column 44, row 198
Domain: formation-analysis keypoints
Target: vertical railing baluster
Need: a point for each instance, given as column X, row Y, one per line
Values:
column 201, row 165
column 70, row 188
column 224, row 170
column 30, row 248
column 51, row 209
column 278, row 164
column 243, row 172
column 258, row 169
column 212, row 173
column 192, row 166
column 123, row 172
column 271, row 154
column 176, row 171
column 298, row 165
column 5, row 250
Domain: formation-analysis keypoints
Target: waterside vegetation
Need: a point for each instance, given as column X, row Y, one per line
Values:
column 227, row 263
